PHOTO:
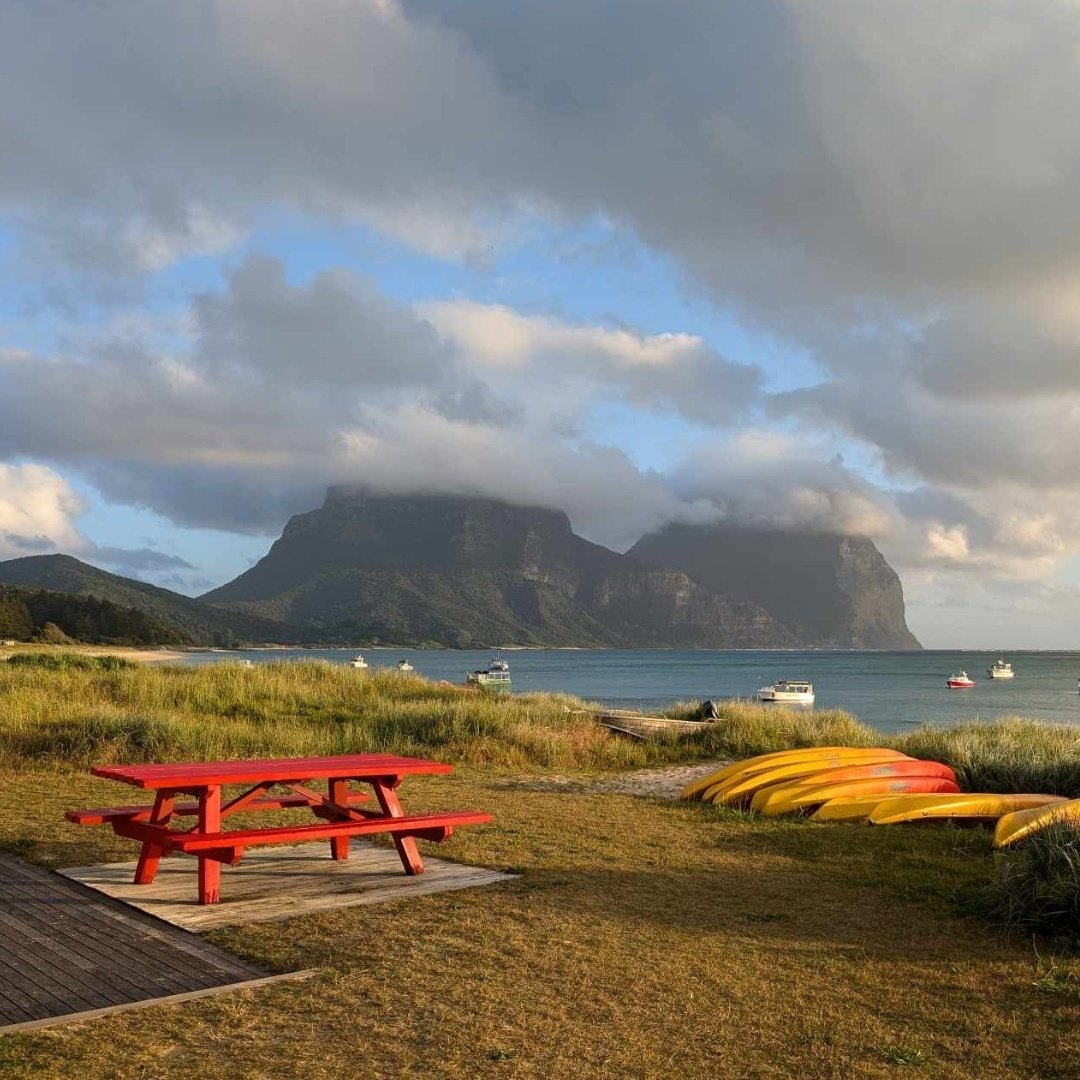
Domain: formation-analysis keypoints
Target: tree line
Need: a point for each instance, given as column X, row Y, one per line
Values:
column 41, row 615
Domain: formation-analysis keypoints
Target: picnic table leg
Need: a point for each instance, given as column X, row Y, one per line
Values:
column 209, row 822
column 150, row 854
column 339, row 793
column 386, row 793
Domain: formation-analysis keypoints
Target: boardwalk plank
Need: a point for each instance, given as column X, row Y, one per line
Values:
column 67, row 951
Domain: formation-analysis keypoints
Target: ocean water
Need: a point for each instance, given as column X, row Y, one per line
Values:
column 888, row 690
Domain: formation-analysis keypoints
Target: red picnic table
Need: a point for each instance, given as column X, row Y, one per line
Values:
column 340, row 817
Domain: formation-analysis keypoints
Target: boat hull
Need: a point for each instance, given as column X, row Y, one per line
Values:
column 766, row 761
column 785, row 697
column 969, row 805
column 1022, row 823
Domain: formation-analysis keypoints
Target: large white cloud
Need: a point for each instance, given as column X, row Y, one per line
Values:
column 37, row 511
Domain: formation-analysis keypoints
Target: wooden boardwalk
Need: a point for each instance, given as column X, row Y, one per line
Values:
column 68, row 953
column 281, row 882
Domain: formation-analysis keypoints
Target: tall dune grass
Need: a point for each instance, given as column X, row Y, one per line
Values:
column 74, row 715
column 1037, row 888
column 78, row 711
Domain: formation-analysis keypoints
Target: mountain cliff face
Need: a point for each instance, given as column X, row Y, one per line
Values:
column 828, row 591
column 470, row 572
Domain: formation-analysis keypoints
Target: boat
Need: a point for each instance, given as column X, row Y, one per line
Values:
column 404, row 665
column 973, row 806
column 496, row 676
column 782, row 798
column 358, row 661
column 1001, row 669
column 744, row 785
column 1023, row 823
column 960, row 680
column 788, row 692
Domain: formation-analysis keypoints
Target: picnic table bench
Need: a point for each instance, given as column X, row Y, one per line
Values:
column 340, row 818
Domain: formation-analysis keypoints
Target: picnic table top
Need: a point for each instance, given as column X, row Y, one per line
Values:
column 203, row 773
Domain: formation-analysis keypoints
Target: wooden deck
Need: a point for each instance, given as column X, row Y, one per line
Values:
column 68, row 953
column 281, row 882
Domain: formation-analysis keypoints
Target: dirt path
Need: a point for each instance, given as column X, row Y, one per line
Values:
column 663, row 783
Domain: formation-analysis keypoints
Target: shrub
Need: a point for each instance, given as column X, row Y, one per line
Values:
column 1037, row 889
column 68, row 661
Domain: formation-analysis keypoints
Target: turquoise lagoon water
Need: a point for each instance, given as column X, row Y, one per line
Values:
column 889, row 690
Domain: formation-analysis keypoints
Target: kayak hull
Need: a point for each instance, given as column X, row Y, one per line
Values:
column 778, row 800
column 743, row 787
column 698, row 787
column 882, row 785
column 971, row 806
column 1024, row 823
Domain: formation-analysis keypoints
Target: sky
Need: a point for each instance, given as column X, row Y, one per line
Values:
column 805, row 265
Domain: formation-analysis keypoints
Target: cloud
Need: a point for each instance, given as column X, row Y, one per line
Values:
column 887, row 188
column 274, row 390
column 566, row 361
column 135, row 561
column 37, row 508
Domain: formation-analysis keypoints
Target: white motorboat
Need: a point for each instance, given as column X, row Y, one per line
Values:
column 404, row 665
column 788, row 692
column 1001, row 669
column 358, row 661
column 496, row 676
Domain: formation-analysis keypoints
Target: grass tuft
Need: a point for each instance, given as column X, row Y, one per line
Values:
column 1037, row 888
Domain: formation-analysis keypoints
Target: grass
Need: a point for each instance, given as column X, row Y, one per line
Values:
column 632, row 944
column 66, row 709
column 1037, row 888
column 643, row 938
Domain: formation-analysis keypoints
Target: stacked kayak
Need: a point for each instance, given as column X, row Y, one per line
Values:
column 790, row 780
column 884, row 787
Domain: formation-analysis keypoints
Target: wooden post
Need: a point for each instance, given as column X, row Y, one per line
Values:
column 209, row 822
column 339, row 794
column 386, row 793
column 150, row 853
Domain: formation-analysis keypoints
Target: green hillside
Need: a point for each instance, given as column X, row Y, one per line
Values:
column 182, row 618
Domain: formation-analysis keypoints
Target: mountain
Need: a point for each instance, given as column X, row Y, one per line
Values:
column 470, row 572
column 27, row 614
column 828, row 590
column 186, row 620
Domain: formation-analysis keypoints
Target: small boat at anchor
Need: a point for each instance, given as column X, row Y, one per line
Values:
column 1001, row 669
column 404, row 665
column 788, row 692
column 496, row 676
column 960, row 680
column 358, row 661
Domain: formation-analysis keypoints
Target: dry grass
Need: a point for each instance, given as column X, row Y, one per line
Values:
column 644, row 939
column 71, row 713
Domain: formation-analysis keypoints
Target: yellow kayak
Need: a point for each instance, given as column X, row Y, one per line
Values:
column 698, row 788
column 781, row 798
column 745, row 785
column 1022, row 823
column 968, row 805
column 881, row 785
column 854, row 807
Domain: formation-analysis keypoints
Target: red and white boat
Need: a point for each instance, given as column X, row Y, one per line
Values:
column 960, row 681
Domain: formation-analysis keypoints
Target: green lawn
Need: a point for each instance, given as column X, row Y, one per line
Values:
column 643, row 938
